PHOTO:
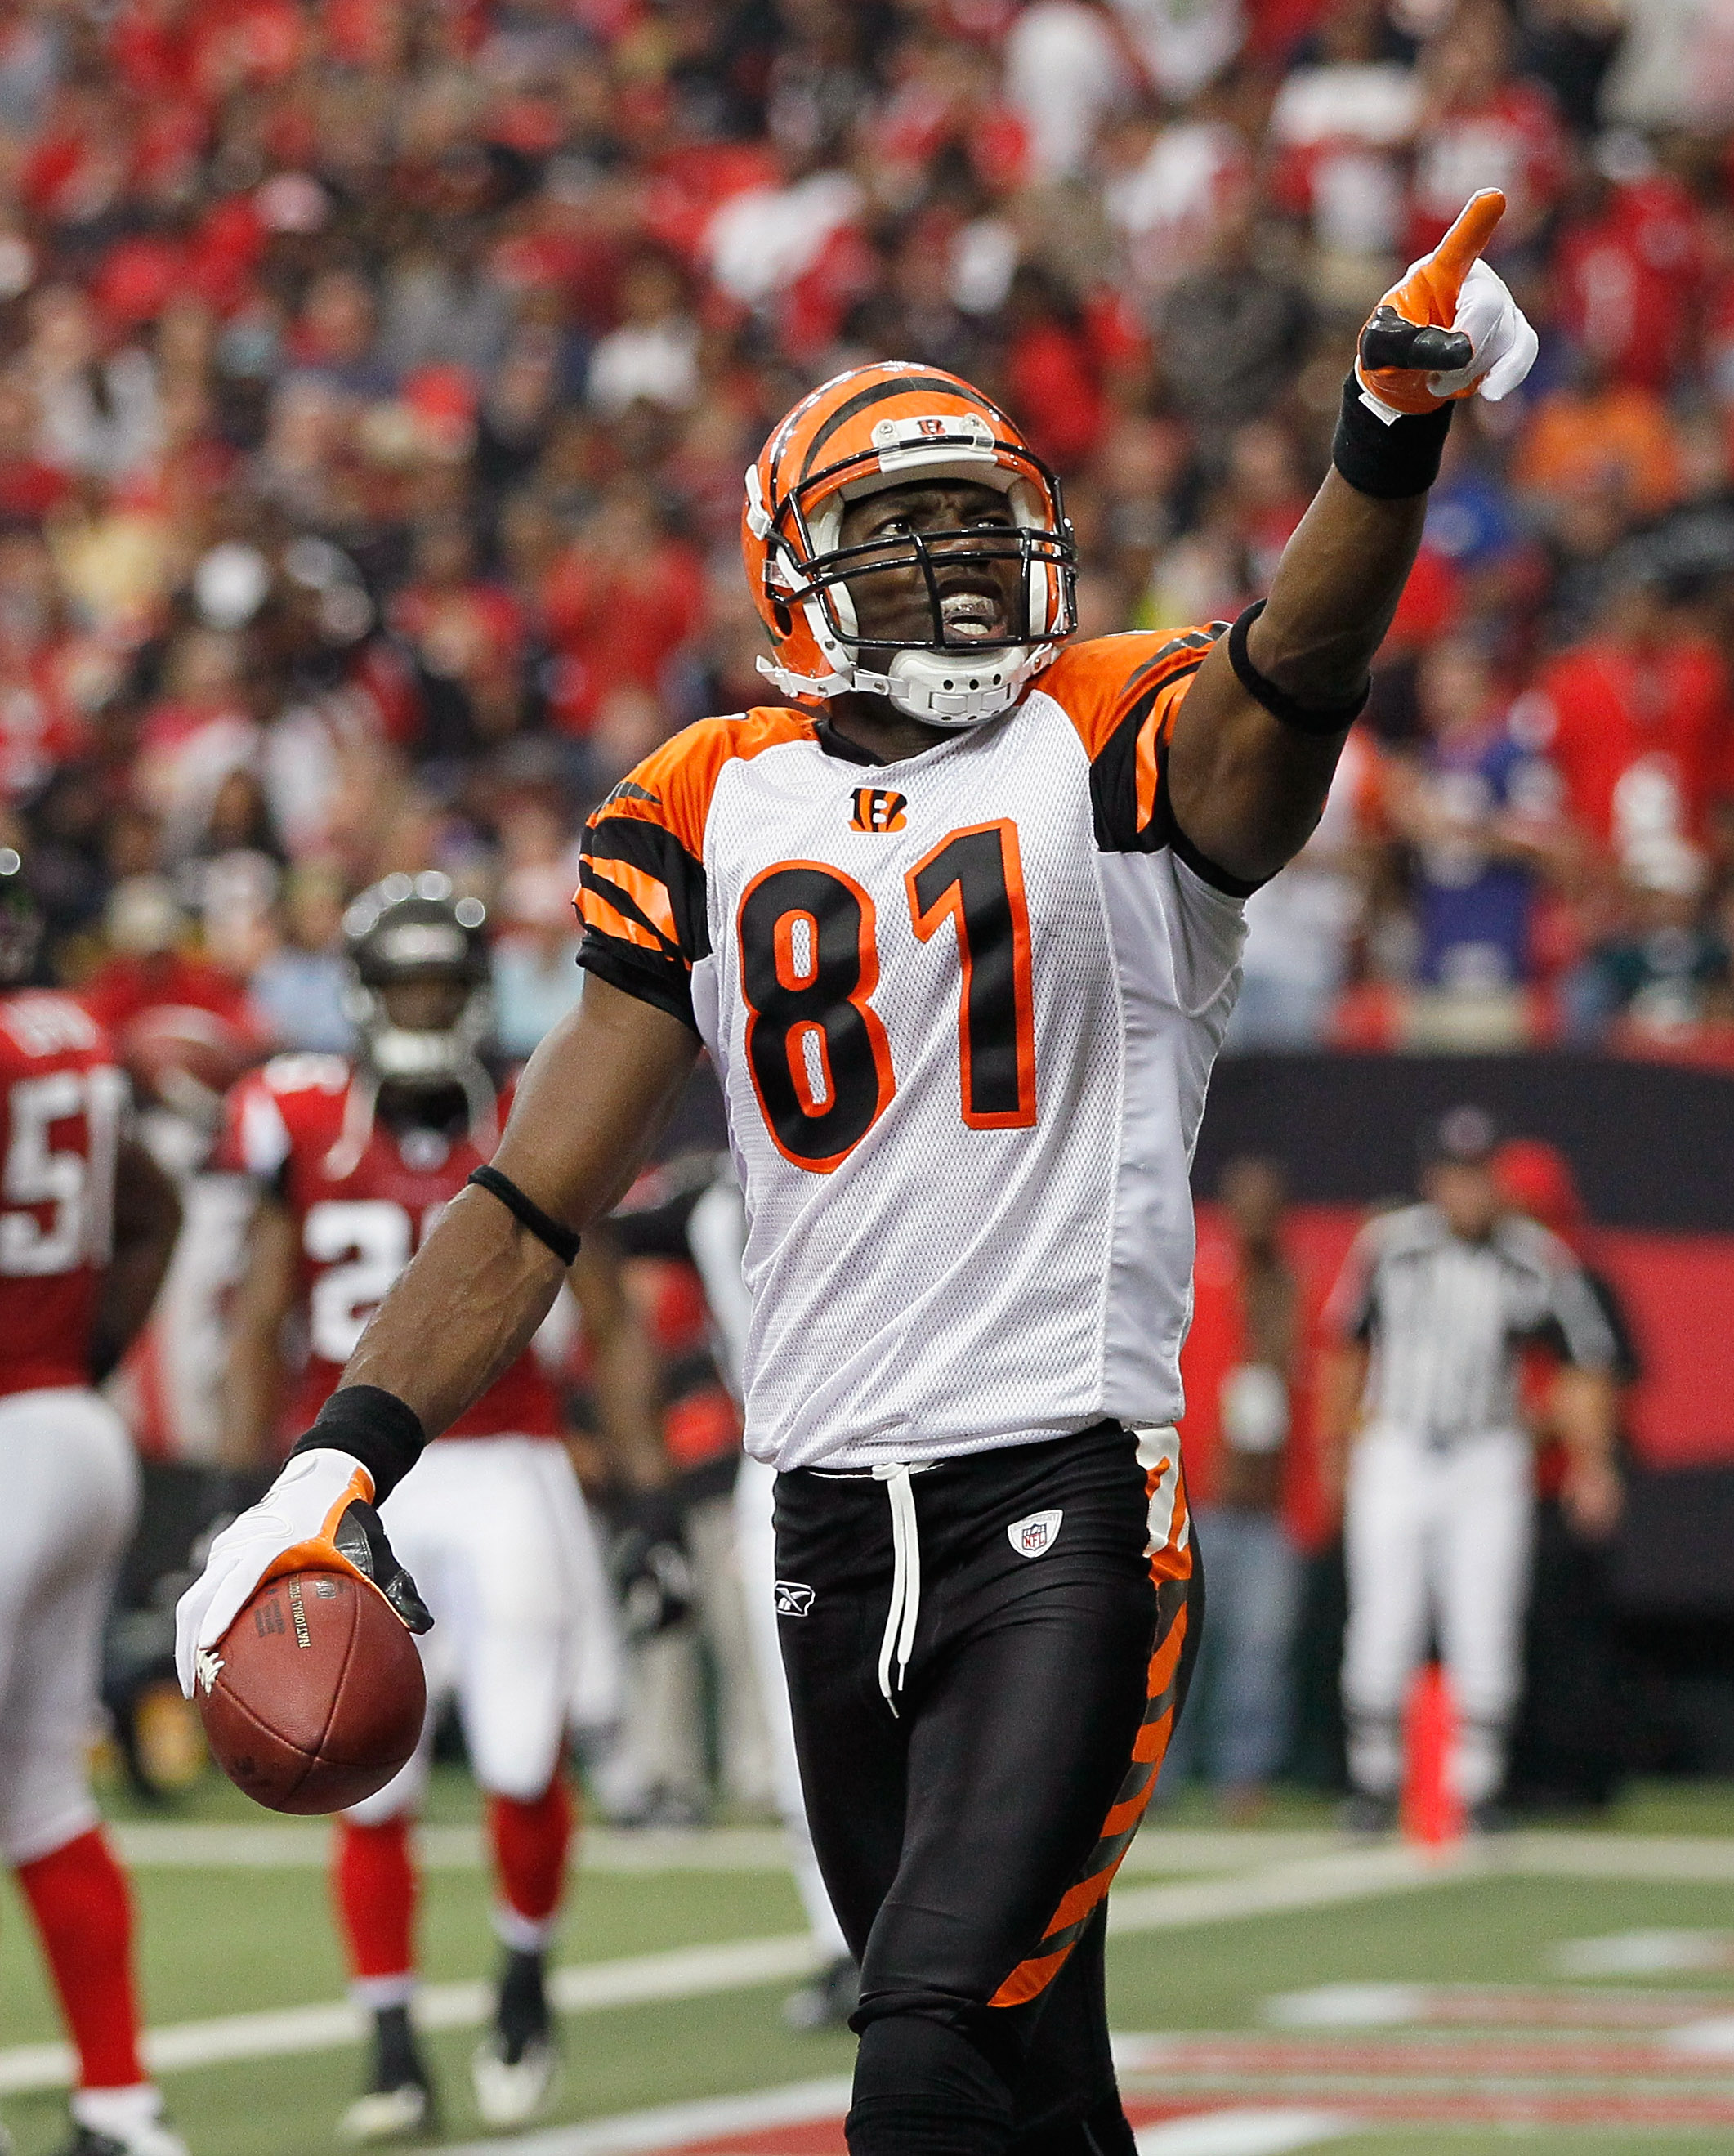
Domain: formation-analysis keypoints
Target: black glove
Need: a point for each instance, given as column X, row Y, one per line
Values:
column 652, row 1572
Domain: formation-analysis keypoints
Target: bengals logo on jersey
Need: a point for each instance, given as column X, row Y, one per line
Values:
column 877, row 810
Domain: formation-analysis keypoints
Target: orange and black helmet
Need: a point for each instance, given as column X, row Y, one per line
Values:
column 887, row 425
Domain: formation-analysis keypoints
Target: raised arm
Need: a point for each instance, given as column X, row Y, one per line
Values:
column 1256, row 739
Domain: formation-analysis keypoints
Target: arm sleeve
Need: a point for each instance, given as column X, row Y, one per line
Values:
column 1122, row 695
column 255, row 1141
column 1574, row 1323
column 641, row 896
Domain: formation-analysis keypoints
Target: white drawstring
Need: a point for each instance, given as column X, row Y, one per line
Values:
column 899, row 1635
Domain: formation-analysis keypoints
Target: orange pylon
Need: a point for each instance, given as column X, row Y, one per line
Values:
column 1432, row 1813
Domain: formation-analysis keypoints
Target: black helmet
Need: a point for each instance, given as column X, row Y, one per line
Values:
column 20, row 920
column 411, row 928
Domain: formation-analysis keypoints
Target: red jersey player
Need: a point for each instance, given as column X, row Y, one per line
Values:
column 354, row 1164
column 87, row 1223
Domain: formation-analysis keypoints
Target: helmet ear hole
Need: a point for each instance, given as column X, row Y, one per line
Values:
column 784, row 619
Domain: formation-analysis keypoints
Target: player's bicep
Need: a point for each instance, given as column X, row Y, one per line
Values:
column 591, row 1100
column 1244, row 790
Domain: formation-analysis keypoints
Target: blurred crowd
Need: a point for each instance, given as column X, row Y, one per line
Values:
column 377, row 377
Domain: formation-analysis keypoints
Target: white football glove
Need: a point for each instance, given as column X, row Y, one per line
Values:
column 318, row 1515
column 1448, row 327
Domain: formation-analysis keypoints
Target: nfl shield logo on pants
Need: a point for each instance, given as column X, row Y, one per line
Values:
column 1030, row 1536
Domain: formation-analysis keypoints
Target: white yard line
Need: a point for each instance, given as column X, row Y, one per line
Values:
column 681, row 1973
column 1245, row 2134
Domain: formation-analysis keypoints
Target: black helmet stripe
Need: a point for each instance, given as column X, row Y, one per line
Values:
column 864, row 399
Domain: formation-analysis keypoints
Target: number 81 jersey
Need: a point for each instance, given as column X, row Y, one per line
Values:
column 964, row 1009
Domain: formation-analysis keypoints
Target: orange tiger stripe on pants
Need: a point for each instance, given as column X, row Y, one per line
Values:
column 1171, row 1567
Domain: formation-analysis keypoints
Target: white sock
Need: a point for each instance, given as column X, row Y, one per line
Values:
column 522, row 1934
column 378, row 1993
column 119, row 2111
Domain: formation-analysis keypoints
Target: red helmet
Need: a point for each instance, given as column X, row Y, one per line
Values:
column 1537, row 1178
column 883, row 426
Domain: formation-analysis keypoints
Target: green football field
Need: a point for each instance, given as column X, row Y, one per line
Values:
column 1567, row 1990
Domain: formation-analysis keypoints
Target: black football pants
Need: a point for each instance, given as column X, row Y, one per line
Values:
column 985, row 1664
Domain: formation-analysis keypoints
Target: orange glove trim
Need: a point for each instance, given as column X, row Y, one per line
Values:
column 1428, row 296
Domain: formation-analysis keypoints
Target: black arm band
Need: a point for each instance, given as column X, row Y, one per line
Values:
column 561, row 1241
column 1390, row 461
column 382, row 1431
column 1305, row 718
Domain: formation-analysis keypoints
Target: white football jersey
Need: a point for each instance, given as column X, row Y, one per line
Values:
column 964, row 1009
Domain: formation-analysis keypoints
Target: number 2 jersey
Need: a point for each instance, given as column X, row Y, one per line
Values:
column 363, row 1203
column 964, row 1009
column 61, row 1098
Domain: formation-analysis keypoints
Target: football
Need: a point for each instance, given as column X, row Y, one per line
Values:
column 314, row 1697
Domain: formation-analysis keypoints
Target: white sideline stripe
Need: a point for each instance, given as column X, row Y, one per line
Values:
column 1245, row 2134
column 585, row 1987
column 675, row 2125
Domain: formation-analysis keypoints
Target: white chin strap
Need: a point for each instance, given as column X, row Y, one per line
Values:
column 939, row 688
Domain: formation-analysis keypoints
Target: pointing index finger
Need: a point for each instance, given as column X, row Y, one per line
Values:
column 1462, row 245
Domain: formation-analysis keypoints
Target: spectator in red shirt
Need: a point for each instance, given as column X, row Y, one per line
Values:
column 150, row 967
column 618, row 604
column 1483, row 126
column 1637, row 721
column 1631, row 264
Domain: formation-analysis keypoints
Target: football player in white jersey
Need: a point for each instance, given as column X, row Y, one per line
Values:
column 959, row 922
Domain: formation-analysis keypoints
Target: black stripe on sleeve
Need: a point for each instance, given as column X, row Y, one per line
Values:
column 665, row 982
column 655, row 852
column 1114, row 777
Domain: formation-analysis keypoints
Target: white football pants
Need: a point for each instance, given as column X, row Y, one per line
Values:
column 755, row 1530
column 494, row 1532
column 71, row 1485
column 1441, row 1535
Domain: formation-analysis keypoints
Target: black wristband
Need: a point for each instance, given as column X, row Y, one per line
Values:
column 1389, row 461
column 547, row 1230
column 1320, row 719
column 382, row 1431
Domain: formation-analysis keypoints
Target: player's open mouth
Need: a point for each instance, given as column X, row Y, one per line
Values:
column 972, row 617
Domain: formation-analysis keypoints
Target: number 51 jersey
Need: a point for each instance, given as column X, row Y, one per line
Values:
column 964, row 1009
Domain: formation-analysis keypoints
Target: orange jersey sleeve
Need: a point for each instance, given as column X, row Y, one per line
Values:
column 641, row 896
column 1122, row 694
